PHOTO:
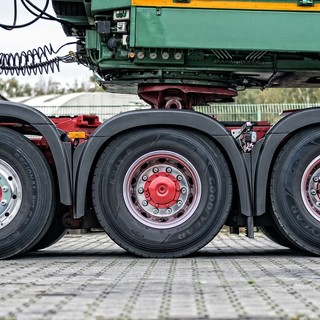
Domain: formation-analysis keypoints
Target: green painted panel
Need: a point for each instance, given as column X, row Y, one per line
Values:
column 132, row 26
column 92, row 40
column 104, row 5
column 227, row 29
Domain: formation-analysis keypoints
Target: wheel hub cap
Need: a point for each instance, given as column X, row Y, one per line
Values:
column 162, row 190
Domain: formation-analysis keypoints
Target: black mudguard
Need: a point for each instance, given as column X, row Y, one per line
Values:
column 268, row 149
column 61, row 151
column 85, row 155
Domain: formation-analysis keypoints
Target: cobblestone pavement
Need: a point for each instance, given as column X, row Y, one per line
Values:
column 89, row 277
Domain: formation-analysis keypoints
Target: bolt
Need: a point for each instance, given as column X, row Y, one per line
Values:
column 153, row 55
column 169, row 170
column 140, row 190
column 5, row 189
column 313, row 192
column 155, row 211
column 316, row 179
column 318, row 204
column 179, row 203
column 178, row 55
column 144, row 178
column 144, row 202
column 169, row 210
column 183, row 190
column 140, row 55
column 4, row 203
column 165, row 55
column 155, row 170
column 179, row 178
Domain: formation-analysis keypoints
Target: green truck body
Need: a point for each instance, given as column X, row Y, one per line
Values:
column 259, row 44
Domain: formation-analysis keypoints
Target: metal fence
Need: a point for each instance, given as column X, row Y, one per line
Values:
column 223, row 112
column 251, row 112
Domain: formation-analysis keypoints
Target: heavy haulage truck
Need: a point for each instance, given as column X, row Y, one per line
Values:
column 163, row 181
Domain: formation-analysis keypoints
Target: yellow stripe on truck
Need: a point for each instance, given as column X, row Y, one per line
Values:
column 216, row 4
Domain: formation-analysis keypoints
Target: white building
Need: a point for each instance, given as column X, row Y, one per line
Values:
column 102, row 104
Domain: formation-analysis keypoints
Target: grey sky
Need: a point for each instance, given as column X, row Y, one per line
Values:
column 41, row 33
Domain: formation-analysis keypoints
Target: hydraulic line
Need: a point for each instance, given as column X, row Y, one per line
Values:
column 36, row 61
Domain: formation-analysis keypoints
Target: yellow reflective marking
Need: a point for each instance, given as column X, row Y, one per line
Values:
column 77, row 135
column 217, row 4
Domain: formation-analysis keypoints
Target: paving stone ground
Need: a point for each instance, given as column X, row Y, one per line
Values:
column 89, row 277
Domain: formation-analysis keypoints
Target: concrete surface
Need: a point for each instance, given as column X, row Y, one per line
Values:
column 89, row 277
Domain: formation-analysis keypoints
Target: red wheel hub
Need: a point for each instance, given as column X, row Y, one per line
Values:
column 0, row 193
column 162, row 190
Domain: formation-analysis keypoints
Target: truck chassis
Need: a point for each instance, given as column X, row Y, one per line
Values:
column 163, row 182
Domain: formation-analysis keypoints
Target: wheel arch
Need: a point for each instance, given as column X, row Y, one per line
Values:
column 86, row 154
column 270, row 147
column 61, row 150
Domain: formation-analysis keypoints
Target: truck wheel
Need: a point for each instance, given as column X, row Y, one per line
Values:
column 27, row 194
column 162, row 193
column 295, row 190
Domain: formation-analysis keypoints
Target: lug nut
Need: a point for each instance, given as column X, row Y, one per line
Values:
column 140, row 190
column 4, row 203
column 5, row 189
column 169, row 170
column 179, row 203
column 313, row 192
column 316, row 179
column 169, row 210
column 155, row 170
column 318, row 204
column 155, row 211
column 183, row 190
column 144, row 202
column 179, row 178
column 144, row 178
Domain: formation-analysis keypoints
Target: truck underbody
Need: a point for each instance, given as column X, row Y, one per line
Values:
column 162, row 182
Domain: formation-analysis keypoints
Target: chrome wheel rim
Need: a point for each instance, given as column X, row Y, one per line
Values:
column 310, row 188
column 162, row 189
column 10, row 194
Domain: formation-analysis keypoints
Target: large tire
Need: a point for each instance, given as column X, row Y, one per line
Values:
column 295, row 190
column 162, row 193
column 27, row 196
